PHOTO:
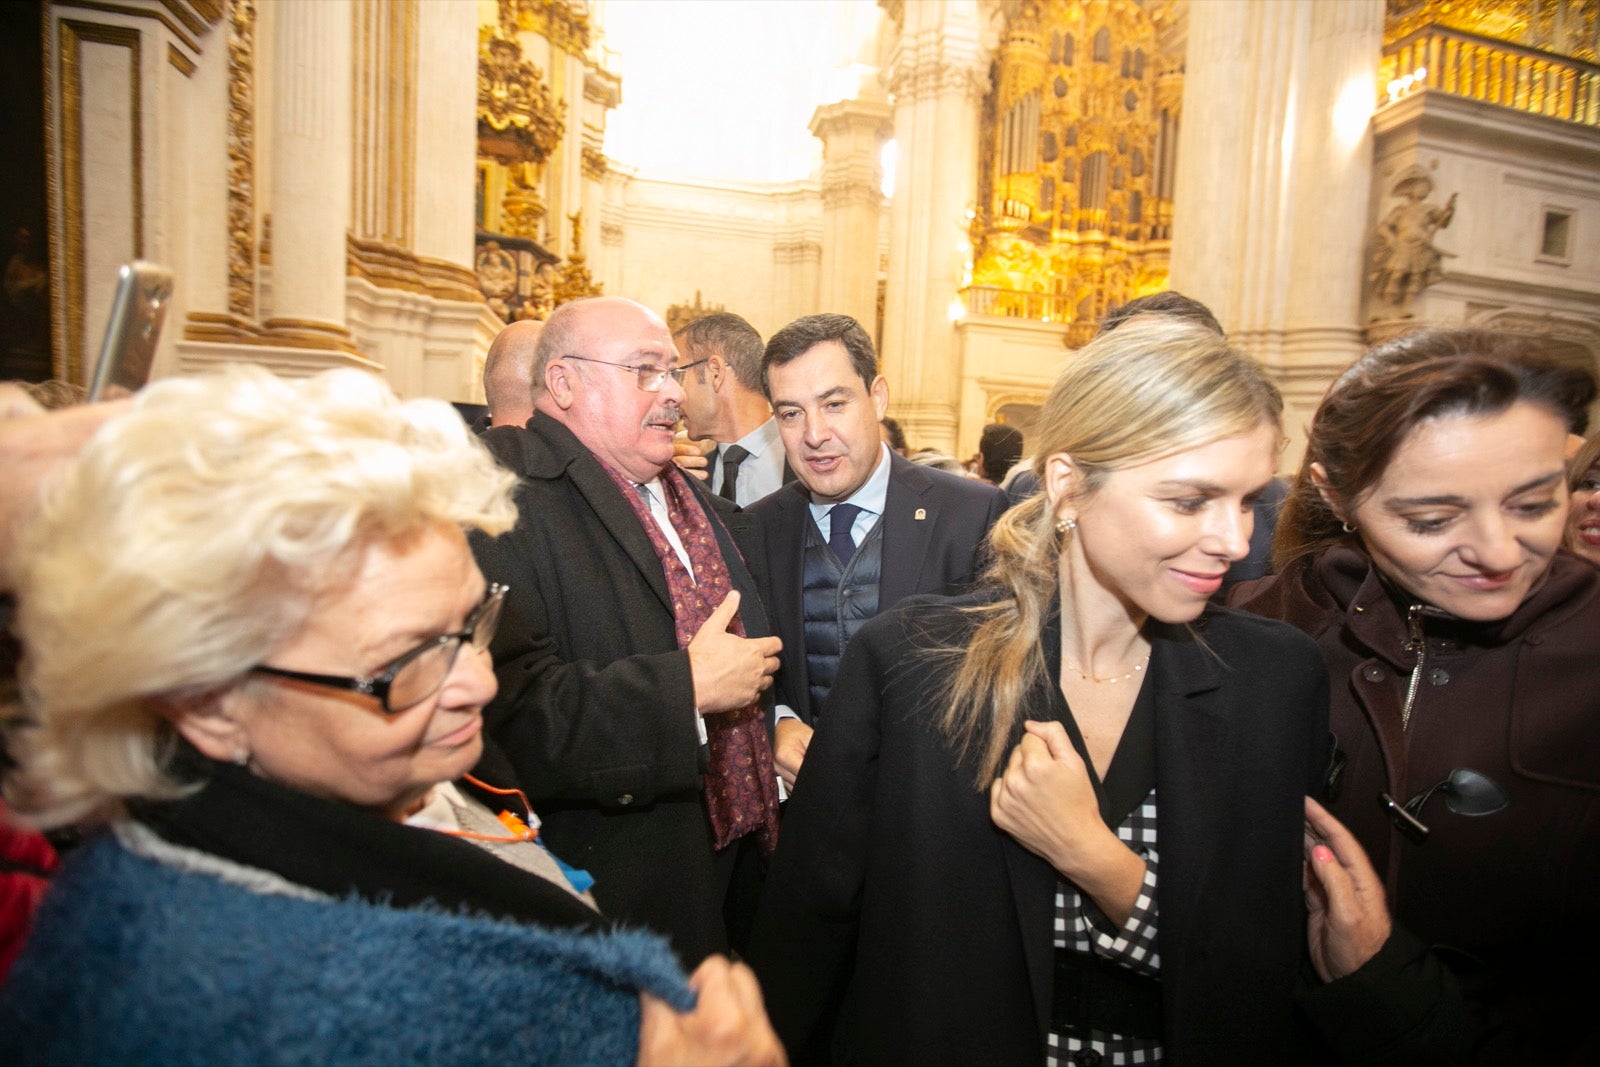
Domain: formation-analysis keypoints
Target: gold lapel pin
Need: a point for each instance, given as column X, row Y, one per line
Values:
column 922, row 513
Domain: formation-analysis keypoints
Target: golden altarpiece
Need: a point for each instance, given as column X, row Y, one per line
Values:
column 1074, row 208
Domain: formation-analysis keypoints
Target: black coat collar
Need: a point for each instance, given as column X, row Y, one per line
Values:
column 343, row 851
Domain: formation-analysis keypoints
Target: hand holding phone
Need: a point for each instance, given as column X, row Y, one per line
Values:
column 129, row 348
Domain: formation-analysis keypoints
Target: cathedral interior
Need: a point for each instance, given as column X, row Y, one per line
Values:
column 384, row 183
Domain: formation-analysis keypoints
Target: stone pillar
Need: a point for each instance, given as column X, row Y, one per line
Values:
column 446, row 131
column 1281, row 97
column 852, row 134
column 938, row 75
column 311, row 171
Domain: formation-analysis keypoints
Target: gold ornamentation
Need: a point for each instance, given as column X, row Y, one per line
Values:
column 523, row 209
column 681, row 315
column 595, row 165
column 241, row 159
column 517, row 120
column 573, row 280
column 1074, row 210
column 1563, row 27
column 565, row 25
column 1501, row 70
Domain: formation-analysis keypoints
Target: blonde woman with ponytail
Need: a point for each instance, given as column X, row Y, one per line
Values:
column 1063, row 819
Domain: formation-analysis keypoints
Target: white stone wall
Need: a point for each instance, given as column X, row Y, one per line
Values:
column 755, row 249
column 1507, row 170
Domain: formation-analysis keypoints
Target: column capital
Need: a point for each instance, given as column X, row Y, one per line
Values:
column 852, row 116
column 939, row 49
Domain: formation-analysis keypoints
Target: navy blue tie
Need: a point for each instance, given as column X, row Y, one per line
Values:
column 840, row 520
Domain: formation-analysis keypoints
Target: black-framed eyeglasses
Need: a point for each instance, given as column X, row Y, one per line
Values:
column 651, row 377
column 413, row 677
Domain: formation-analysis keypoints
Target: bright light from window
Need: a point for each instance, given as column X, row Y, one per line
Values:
column 717, row 90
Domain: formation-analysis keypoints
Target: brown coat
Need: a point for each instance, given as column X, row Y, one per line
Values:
column 1506, row 898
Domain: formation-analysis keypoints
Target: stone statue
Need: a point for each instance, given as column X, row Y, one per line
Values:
column 1404, row 260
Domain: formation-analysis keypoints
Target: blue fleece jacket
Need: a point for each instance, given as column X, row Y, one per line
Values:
column 135, row 962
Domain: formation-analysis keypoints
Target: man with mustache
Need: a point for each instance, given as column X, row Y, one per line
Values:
column 862, row 528
column 633, row 656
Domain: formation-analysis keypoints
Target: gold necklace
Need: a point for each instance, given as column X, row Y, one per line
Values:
column 1079, row 671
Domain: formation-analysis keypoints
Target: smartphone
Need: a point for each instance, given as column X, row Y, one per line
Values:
column 143, row 292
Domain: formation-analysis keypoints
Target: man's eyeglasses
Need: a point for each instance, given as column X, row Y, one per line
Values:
column 651, row 377
column 411, row 678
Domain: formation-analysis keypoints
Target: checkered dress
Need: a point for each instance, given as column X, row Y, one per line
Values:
column 1081, row 927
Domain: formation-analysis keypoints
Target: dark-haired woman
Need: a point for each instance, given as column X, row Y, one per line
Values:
column 1421, row 549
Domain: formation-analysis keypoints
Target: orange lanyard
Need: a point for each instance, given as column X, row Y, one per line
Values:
column 520, row 830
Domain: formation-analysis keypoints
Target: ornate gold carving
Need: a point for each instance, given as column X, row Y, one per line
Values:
column 241, row 158
column 1502, row 72
column 681, row 315
column 595, row 165
column 564, row 24
column 517, row 120
column 522, row 209
column 573, row 279
column 1563, row 27
column 72, row 33
column 1074, row 209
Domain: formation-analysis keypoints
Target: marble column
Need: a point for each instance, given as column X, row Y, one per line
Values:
column 311, row 171
column 1274, row 175
column 938, row 75
column 852, row 134
column 447, row 130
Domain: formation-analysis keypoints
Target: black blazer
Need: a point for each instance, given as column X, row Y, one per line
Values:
column 892, row 884
column 935, row 529
column 595, row 712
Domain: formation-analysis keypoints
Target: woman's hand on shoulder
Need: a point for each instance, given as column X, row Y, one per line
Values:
column 1044, row 798
column 727, row 1026
column 1349, row 916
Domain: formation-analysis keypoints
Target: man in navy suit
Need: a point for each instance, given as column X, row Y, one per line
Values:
column 861, row 528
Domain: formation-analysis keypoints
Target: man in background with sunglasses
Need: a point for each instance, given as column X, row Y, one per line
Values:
column 634, row 655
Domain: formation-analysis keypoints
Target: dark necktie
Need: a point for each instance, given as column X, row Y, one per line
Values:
column 840, row 520
column 732, row 456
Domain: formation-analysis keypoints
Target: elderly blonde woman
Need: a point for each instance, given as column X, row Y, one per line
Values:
column 1064, row 819
column 255, row 651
